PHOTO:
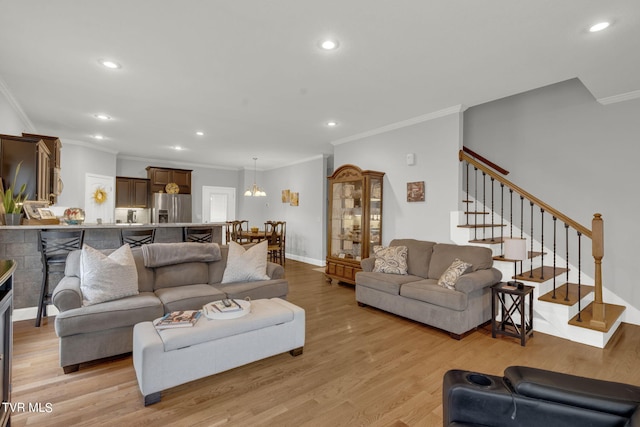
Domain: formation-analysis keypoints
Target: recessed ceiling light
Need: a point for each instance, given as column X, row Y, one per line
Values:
column 109, row 63
column 98, row 137
column 177, row 148
column 332, row 123
column 102, row 116
column 200, row 133
column 329, row 44
column 599, row 26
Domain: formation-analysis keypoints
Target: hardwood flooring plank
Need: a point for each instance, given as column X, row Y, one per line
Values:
column 361, row 367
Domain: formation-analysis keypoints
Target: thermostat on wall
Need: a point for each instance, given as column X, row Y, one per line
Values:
column 411, row 159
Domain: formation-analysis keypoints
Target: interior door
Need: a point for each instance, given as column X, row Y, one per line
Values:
column 218, row 205
column 94, row 210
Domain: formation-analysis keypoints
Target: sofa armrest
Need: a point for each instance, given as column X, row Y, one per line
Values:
column 479, row 279
column 367, row 264
column 67, row 294
column 275, row 271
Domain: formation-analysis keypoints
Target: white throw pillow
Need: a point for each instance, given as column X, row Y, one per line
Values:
column 452, row 274
column 105, row 278
column 246, row 265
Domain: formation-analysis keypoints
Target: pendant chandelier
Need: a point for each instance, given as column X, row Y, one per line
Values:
column 255, row 191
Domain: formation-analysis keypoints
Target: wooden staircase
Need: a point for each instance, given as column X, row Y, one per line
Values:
column 565, row 305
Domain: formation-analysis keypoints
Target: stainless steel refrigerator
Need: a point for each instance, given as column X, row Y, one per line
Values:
column 169, row 208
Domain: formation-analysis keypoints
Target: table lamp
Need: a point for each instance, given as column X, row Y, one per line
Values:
column 515, row 249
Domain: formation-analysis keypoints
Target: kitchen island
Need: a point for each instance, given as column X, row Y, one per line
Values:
column 20, row 243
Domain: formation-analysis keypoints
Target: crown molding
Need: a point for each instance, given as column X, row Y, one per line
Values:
column 4, row 89
column 89, row 145
column 180, row 165
column 619, row 98
column 398, row 125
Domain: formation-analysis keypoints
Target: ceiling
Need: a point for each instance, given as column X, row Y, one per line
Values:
column 251, row 76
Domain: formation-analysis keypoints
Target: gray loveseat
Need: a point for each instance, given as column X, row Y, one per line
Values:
column 417, row 294
column 106, row 329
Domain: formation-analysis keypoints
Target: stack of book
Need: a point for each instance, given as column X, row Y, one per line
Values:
column 178, row 319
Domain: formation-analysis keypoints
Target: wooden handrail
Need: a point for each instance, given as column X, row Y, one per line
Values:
column 485, row 161
column 577, row 226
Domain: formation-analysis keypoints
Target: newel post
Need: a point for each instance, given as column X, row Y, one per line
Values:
column 597, row 243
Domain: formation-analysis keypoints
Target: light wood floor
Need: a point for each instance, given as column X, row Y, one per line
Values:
column 360, row 367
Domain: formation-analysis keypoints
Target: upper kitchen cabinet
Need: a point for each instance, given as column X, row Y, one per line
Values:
column 160, row 177
column 34, row 158
column 54, row 145
column 132, row 192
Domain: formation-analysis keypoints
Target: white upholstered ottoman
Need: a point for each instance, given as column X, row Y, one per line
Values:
column 170, row 357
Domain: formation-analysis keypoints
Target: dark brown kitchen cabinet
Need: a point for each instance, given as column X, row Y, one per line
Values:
column 132, row 192
column 54, row 145
column 160, row 177
column 34, row 158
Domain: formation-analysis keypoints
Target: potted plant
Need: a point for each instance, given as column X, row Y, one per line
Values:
column 12, row 200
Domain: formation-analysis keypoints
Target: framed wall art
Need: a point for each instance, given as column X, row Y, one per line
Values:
column 415, row 191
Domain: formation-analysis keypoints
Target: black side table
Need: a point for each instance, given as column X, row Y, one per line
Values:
column 512, row 302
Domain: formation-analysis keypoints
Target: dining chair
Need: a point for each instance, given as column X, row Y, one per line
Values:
column 137, row 237
column 197, row 234
column 239, row 231
column 275, row 234
column 54, row 246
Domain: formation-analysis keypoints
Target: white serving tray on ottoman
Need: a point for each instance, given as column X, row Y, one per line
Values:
column 166, row 358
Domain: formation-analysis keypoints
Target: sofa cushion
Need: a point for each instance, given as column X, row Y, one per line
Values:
column 188, row 297
column 246, row 265
column 190, row 273
column 444, row 254
column 124, row 312
column 106, row 278
column 429, row 291
column 418, row 256
column 453, row 273
column 391, row 260
column 388, row 283
column 216, row 268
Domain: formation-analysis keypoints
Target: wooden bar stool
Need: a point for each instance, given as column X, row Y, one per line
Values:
column 54, row 246
column 137, row 237
column 197, row 234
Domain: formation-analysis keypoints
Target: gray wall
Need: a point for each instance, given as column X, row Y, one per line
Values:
column 578, row 156
column 10, row 121
column 306, row 223
column 435, row 144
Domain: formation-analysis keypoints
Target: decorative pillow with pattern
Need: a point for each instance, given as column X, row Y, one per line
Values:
column 392, row 260
column 450, row 276
column 106, row 278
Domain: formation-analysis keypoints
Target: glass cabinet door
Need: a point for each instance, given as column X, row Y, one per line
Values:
column 375, row 213
column 346, row 220
column 355, row 220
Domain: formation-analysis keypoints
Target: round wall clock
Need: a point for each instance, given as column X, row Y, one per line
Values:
column 172, row 188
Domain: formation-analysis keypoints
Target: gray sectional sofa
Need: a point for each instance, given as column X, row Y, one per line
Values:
column 105, row 329
column 418, row 296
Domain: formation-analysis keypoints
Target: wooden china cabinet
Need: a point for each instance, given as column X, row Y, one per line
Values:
column 355, row 220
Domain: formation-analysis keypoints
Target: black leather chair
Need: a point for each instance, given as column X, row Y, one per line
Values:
column 531, row 397
column 54, row 246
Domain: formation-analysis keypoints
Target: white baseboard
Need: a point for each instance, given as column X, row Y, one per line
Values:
column 29, row 313
column 307, row 260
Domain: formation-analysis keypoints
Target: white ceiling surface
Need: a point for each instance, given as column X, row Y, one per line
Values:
column 250, row 73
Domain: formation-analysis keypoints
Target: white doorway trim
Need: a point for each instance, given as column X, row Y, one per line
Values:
column 228, row 194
